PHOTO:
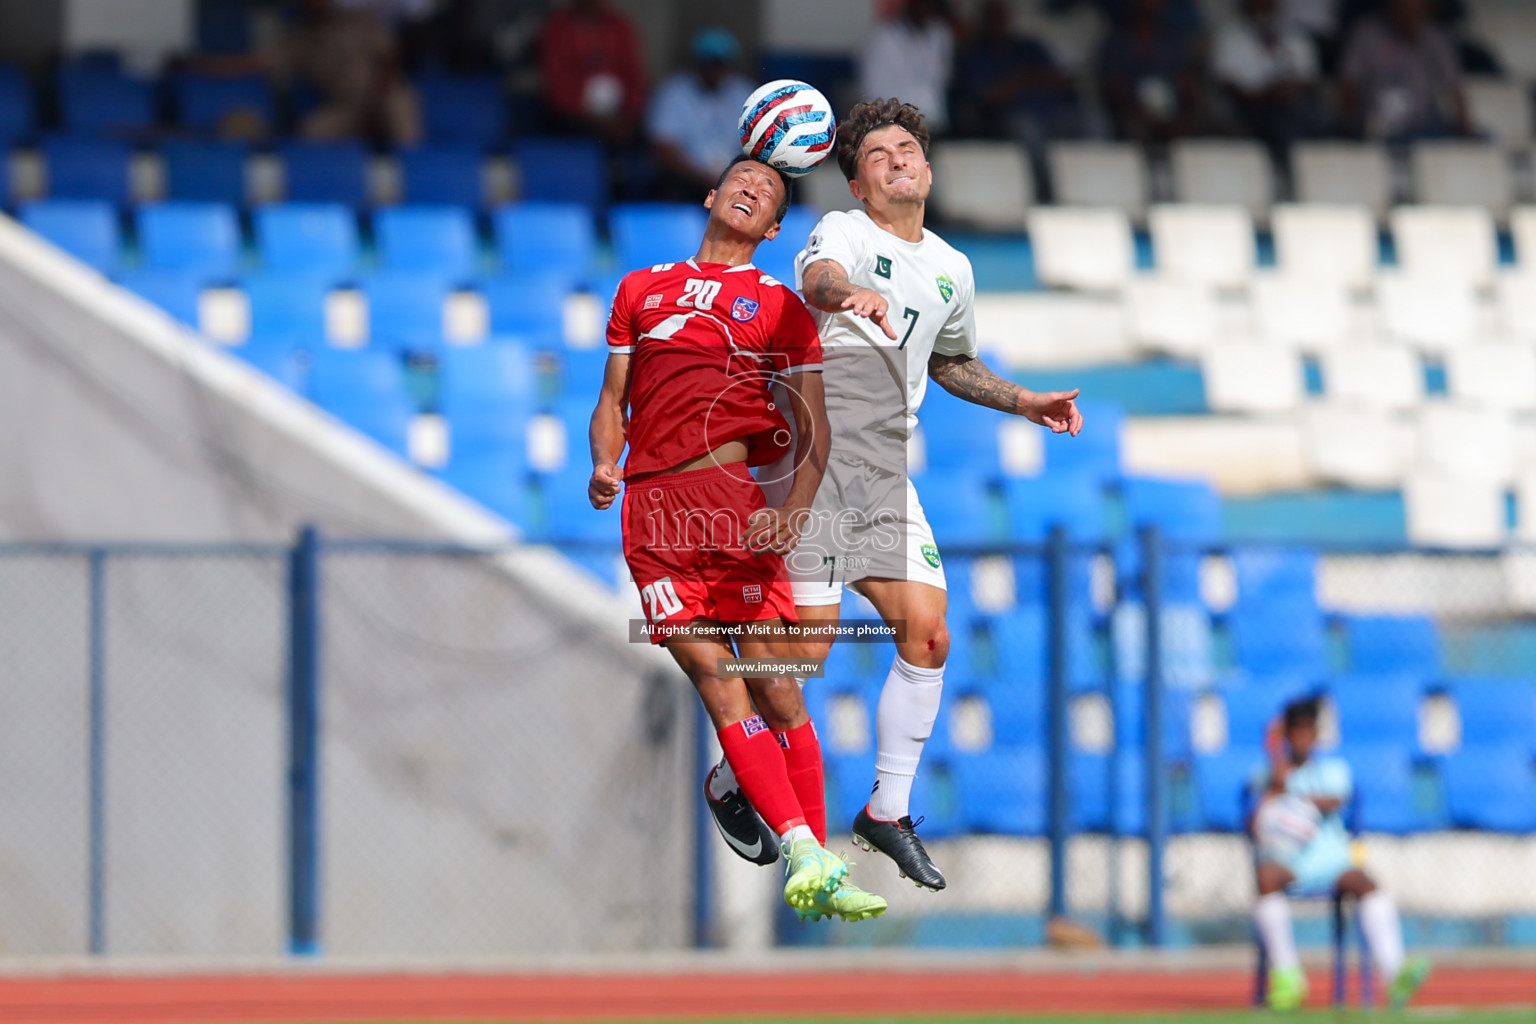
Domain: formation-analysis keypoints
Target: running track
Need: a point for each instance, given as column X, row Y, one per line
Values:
column 453, row 996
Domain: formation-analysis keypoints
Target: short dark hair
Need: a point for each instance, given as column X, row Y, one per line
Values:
column 1304, row 711
column 742, row 158
column 865, row 118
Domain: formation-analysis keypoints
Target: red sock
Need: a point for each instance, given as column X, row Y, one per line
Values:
column 756, row 759
column 802, row 759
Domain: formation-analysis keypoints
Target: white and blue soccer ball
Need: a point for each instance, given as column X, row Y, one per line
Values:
column 788, row 125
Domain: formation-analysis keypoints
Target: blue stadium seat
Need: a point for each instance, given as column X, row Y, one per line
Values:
column 1187, row 511
column 197, row 238
column 777, row 258
column 1088, row 784
column 1378, row 709
column 1038, row 505
column 442, row 176
column 962, row 508
column 497, row 480
column 173, row 291
column 1285, row 573
column 564, row 171
column 1095, row 452
column 282, row 359
column 100, row 101
column 552, row 238
column 567, row 513
column 1251, row 707
column 1131, row 720
column 211, row 172
column 1015, row 703
column 87, row 229
column 405, row 309
column 86, row 169
column 203, row 101
column 316, row 238
column 326, row 172
column 936, row 799
column 581, row 370
column 1492, row 788
column 1003, row 790
column 224, row 27
column 1022, row 636
column 463, row 109
column 848, row 778
column 646, row 234
column 1384, row 787
column 529, row 305
column 17, row 117
column 1496, row 712
column 1222, row 783
column 1188, row 643
column 437, row 240
column 958, row 435
column 365, row 389
column 1283, row 636
column 288, row 306
column 1391, row 644
column 487, row 393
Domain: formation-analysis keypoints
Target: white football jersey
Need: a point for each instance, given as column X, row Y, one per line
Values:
column 874, row 384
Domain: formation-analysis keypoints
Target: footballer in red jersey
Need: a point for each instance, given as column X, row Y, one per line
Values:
column 707, row 359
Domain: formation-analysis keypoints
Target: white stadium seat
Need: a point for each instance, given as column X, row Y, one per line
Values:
column 1311, row 314
column 1447, row 243
column 1501, row 109
column 1381, row 377
column 1509, row 26
column 1082, row 248
column 1463, row 174
column 826, row 189
column 1051, row 329
column 1517, row 303
column 1495, row 376
column 1351, row 173
column 1522, row 225
column 1223, row 172
column 1171, row 316
column 1326, row 242
column 1099, row 174
column 1252, row 378
column 1472, row 442
column 1209, row 245
column 983, row 184
column 1357, row 447
column 1449, row 511
column 1428, row 312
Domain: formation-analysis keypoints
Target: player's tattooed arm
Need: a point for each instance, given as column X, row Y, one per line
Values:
column 610, row 426
column 971, row 379
column 825, row 285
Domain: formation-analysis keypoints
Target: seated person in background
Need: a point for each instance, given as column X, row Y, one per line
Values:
column 1149, row 76
column 909, row 57
column 1301, row 840
column 1270, row 70
column 693, row 115
column 1009, row 86
column 1400, row 77
column 594, row 78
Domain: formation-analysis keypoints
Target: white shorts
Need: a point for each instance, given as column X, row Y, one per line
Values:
column 866, row 523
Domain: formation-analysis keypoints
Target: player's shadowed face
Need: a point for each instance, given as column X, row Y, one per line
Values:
column 747, row 201
column 892, row 168
column 1302, row 737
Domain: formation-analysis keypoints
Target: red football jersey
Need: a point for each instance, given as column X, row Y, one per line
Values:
column 707, row 340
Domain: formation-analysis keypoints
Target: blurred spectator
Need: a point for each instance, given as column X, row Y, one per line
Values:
column 1009, row 86
column 1149, row 75
column 1320, row 20
column 594, row 78
column 1400, row 77
column 909, row 58
column 1178, row 15
column 1270, row 70
column 693, row 116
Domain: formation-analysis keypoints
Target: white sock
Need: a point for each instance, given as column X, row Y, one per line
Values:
column 909, row 703
column 722, row 780
column 1383, row 933
column 798, row 833
column 1272, row 917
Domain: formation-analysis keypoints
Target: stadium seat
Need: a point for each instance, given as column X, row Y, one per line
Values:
column 1131, row 720
column 1180, row 318
column 1495, row 712
column 442, row 176
column 563, row 171
column 777, row 258
column 568, row 515
column 487, row 395
column 1187, row 511
column 96, row 101
column 826, row 189
column 1082, row 248
column 1089, row 798
column 283, row 359
column 1251, row 707
column 1476, row 443
column 1310, row 314
column 982, row 184
column 203, row 102
column 1188, row 643
column 1203, row 244
column 326, row 172
column 962, row 507
column 1373, row 377
column 195, row 238
column 308, row 238
column 1279, row 637
column 210, row 172
column 1378, row 709
column 581, row 370
column 462, row 109
column 1522, row 226
column 1383, row 782
column 1446, row 510
column 1326, row 242
column 87, row 229
column 1094, row 453
column 86, row 169
column 1463, row 173
column 959, row 435
column 1222, row 784
column 1103, row 174
column 1357, row 447
column 1051, row 329
column 1252, row 378
column 545, row 238
column 529, row 305
column 1003, row 790
column 365, row 389
column 647, row 234
column 498, row 480
column 437, row 240
column 1494, row 376
column 1036, row 505
column 1269, row 572
column 1491, row 788
column 1449, row 244
column 1222, row 172
column 1347, row 173
column 288, row 306
column 405, row 309
column 17, row 117
column 174, row 292
column 1501, row 110
column 1389, row 644
column 1433, row 314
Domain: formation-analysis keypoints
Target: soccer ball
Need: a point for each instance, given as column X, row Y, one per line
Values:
column 788, row 125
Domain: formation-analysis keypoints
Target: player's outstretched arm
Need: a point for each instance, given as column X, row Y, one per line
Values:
column 825, row 285
column 969, row 378
column 778, row 530
column 608, row 431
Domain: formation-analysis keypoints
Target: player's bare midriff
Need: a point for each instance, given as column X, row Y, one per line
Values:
column 725, row 455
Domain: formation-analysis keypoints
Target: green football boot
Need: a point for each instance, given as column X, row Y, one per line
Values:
column 1287, row 988
column 812, row 871
column 847, row 901
column 1408, row 982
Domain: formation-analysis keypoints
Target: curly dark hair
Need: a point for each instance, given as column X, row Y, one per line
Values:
column 865, row 118
column 1306, row 710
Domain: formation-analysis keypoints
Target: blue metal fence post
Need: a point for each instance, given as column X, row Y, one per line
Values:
column 1056, row 709
column 304, row 744
column 1156, row 776
column 703, row 832
column 97, row 825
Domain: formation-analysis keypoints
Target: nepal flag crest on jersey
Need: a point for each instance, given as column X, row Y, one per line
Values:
column 744, row 309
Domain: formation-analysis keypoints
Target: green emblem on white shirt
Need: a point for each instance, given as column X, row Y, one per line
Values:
column 946, row 287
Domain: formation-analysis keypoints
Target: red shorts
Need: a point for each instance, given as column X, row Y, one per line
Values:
column 682, row 540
